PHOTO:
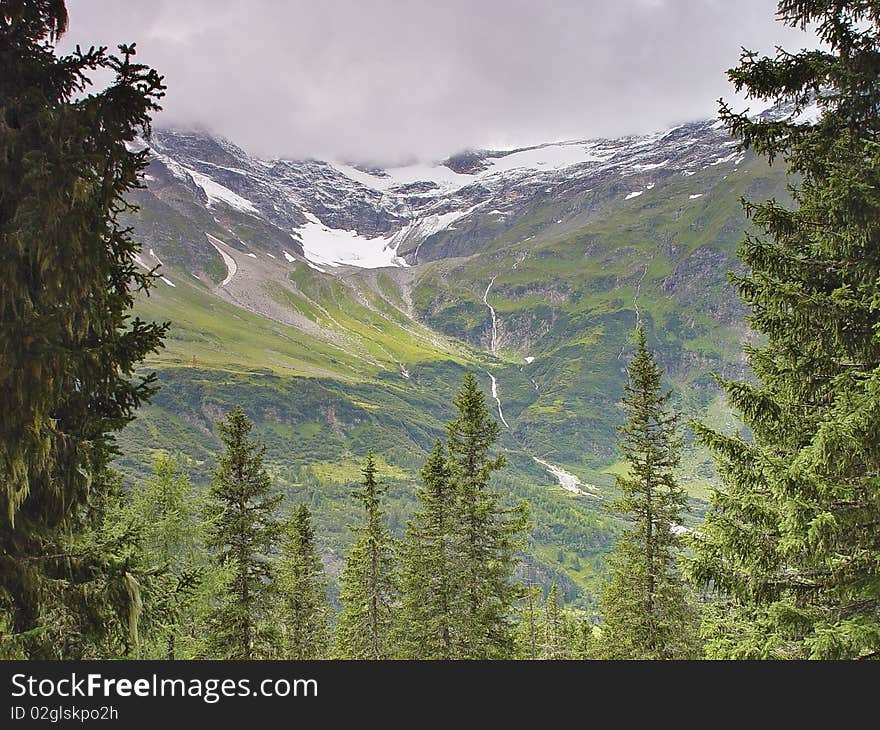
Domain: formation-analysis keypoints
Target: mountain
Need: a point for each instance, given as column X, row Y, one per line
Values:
column 341, row 304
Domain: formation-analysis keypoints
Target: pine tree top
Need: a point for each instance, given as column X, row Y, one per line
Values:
column 300, row 530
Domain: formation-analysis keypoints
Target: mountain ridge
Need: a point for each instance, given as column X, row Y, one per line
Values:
column 533, row 277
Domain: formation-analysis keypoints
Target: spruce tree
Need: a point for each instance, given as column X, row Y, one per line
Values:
column 368, row 589
column 244, row 532
column 529, row 628
column 120, row 599
column 645, row 607
column 70, row 354
column 429, row 595
column 790, row 541
column 302, row 588
column 557, row 629
column 584, row 640
column 167, row 509
column 487, row 534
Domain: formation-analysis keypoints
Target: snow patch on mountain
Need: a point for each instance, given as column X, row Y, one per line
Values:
column 231, row 266
column 547, row 157
column 344, row 215
column 434, row 223
column 335, row 247
column 809, row 115
column 726, row 158
column 218, row 193
column 445, row 179
column 568, row 481
column 650, row 166
column 140, row 262
column 556, row 156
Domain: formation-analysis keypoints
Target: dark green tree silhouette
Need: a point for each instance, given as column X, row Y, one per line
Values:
column 645, row 606
column 69, row 350
column 244, row 532
column 790, row 542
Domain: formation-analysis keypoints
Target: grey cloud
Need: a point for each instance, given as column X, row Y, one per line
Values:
column 383, row 81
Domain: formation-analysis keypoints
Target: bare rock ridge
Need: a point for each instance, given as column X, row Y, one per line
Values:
column 332, row 214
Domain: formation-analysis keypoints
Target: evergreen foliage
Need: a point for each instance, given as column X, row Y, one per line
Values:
column 487, row 533
column 166, row 507
column 302, row 589
column 69, row 350
column 645, row 607
column 528, row 637
column 368, row 586
column 243, row 535
column 557, row 628
column 429, row 589
column 789, row 550
column 790, row 543
column 117, row 598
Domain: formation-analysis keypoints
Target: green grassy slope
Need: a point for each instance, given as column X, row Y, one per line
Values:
column 569, row 301
column 382, row 353
column 319, row 406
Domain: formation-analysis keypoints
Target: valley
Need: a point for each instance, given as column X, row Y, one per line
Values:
column 341, row 306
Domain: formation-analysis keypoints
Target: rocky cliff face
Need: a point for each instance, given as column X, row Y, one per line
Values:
column 334, row 214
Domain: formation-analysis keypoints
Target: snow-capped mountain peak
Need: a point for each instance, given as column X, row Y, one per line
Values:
column 336, row 214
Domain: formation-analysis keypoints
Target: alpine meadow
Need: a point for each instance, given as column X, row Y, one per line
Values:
column 607, row 397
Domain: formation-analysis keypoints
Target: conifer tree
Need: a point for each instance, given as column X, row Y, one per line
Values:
column 528, row 639
column 167, row 509
column 69, row 350
column 121, row 599
column 302, row 588
column 556, row 628
column 645, row 607
column 790, row 542
column 429, row 592
column 368, row 589
column 487, row 534
column 244, row 532
column 584, row 641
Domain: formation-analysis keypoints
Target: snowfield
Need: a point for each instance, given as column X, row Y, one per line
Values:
column 415, row 201
column 217, row 193
column 333, row 247
column 547, row 157
column 445, row 179
column 556, row 156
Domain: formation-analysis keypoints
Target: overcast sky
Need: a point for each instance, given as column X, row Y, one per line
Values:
column 386, row 80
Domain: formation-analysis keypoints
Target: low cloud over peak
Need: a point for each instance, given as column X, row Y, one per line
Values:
column 387, row 81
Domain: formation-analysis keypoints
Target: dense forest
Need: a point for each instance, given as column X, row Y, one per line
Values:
column 784, row 565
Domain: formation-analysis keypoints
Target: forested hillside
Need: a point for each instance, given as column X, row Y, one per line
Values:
column 535, row 279
column 589, row 399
